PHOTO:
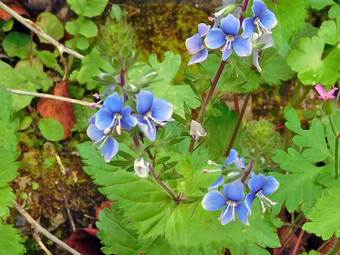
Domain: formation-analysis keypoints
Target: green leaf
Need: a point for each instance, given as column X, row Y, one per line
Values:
column 51, row 129
column 10, row 78
column 324, row 217
column 50, row 24
column 91, row 67
column 82, row 26
column 164, row 87
column 219, row 125
column 185, row 226
column 17, row 44
column 325, row 69
column 304, row 180
column 49, row 59
column 11, row 241
column 330, row 31
column 320, row 4
column 116, row 12
column 25, row 122
column 88, row 8
column 334, row 11
column 287, row 28
column 115, row 234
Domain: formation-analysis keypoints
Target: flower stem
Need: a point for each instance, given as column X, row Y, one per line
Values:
column 336, row 150
column 208, row 98
column 243, row 9
column 37, row 30
column 238, row 125
column 59, row 98
column 248, row 171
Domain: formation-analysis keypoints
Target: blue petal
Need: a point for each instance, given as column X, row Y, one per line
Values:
column 149, row 132
column 227, row 215
column 240, row 163
column 213, row 201
column 203, row 29
column 230, row 25
column 194, row 44
column 128, row 121
column 270, row 186
column 104, row 119
column 242, row 46
column 94, row 133
column 226, row 54
column 110, row 149
column 243, row 213
column 248, row 27
column 256, row 182
column 232, row 157
column 215, row 38
column 259, row 7
column 268, row 19
column 114, row 103
column 144, row 101
column 92, row 119
column 199, row 57
column 217, row 183
column 161, row 110
column 234, row 191
column 250, row 200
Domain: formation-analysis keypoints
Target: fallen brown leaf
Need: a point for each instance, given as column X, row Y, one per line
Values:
column 59, row 110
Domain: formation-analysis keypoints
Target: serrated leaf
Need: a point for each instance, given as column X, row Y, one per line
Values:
column 11, row 241
column 115, row 234
column 324, row 217
column 185, row 226
column 49, row 59
column 163, row 85
column 305, row 178
column 325, row 69
column 88, row 8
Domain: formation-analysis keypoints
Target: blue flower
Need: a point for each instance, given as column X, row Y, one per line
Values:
column 230, row 201
column 232, row 158
column 196, row 46
column 264, row 20
column 226, row 36
column 108, row 145
column 113, row 116
column 261, row 186
column 152, row 111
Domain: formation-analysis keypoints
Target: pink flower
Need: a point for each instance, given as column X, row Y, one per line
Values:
column 323, row 94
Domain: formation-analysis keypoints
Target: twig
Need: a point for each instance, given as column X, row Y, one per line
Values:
column 60, row 163
column 40, row 243
column 60, row 98
column 37, row 30
column 73, row 225
column 297, row 244
column 39, row 229
column 238, row 125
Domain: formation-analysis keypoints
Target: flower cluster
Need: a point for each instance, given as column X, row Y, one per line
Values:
column 231, row 197
column 114, row 117
column 225, row 34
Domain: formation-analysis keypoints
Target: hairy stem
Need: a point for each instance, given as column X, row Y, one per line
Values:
column 238, row 125
column 59, row 98
column 208, row 98
column 39, row 229
column 37, row 30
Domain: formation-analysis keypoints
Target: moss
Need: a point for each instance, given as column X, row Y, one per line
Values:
column 162, row 27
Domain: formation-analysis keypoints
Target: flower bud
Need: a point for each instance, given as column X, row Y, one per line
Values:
column 196, row 130
column 142, row 168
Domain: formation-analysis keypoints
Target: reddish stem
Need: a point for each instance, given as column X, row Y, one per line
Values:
column 298, row 242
